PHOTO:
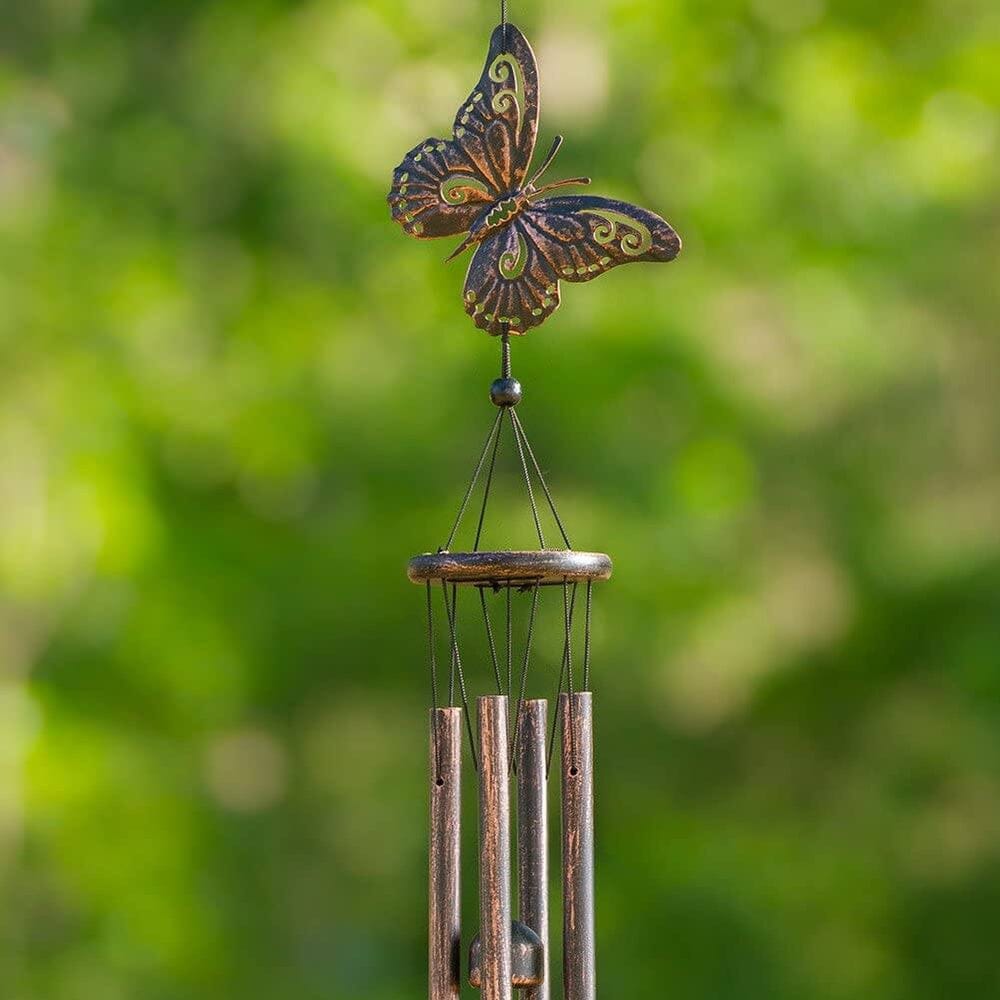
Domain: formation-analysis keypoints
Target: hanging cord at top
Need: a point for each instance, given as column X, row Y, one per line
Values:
column 506, row 393
column 523, row 437
column 494, row 429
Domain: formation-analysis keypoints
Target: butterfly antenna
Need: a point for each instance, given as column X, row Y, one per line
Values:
column 569, row 182
column 556, row 143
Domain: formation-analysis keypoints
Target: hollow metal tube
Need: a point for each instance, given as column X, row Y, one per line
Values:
column 444, row 906
column 494, row 849
column 579, row 976
column 533, row 834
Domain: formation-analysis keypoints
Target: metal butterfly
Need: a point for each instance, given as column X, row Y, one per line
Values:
column 474, row 183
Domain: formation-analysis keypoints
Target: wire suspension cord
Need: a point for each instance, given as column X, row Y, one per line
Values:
column 516, row 424
column 510, row 645
column 489, row 480
column 434, row 682
column 524, row 675
column 526, row 454
column 519, row 427
column 494, row 430
column 451, row 613
column 568, row 618
column 490, row 640
column 562, row 673
column 456, row 661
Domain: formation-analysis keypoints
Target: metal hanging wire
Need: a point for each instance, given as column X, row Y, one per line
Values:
column 519, row 430
column 456, row 662
column 526, row 459
column 491, row 641
column 567, row 661
column 510, row 645
column 434, row 682
column 524, row 675
column 531, row 472
column 472, row 482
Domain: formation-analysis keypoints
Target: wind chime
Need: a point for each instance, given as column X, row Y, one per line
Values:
column 476, row 185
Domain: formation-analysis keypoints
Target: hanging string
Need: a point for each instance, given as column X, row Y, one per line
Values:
column 490, row 640
column 434, row 685
column 586, row 637
column 510, row 644
column 568, row 618
column 456, row 662
column 494, row 430
column 567, row 653
column 519, row 429
column 451, row 613
column 489, row 478
column 516, row 424
column 524, row 676
column 503, row 19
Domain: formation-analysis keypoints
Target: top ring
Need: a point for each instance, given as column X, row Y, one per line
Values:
column 525, row 568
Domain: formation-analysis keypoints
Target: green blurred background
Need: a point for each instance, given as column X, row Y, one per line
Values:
column 234, row 399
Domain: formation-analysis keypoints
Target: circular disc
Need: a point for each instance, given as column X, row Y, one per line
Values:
column 539, row 566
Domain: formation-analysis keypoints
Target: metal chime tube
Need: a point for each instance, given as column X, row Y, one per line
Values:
column 445, row 933
column 533, row 833
column 578, row 846
column 494, row 849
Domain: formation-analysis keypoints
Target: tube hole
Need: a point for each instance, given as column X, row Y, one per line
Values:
column 573, row 772
column 439, row 782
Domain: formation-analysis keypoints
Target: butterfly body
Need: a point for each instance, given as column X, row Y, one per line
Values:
column 477, row 184
column 498, row 215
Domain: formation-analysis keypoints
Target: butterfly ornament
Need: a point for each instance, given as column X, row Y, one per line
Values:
column 475, row 185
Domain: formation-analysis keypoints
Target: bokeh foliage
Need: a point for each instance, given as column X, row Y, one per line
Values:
column 235, row 399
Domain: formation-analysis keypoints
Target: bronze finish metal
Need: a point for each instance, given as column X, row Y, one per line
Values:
column 527, row 958
column 578, row 846
column 444, row 908
column 533, row 834
column 540, row 566
column 477, row 185
column 494, row 849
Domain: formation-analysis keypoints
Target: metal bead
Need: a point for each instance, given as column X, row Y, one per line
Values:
column 527, row 958
column 505, row 392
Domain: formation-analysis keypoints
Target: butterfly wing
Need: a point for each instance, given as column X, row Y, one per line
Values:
column 513, row 279
column 510, row 286
column 500, row 117
column 443, row 184
column 582, row 236
column 438, row 190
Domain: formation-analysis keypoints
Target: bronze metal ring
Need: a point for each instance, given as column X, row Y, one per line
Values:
column 526, row 568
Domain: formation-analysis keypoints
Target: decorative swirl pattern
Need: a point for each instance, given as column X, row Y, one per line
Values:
column 455, row 189
column 512, row 262
column 501, row 70
column 501, row 212
column 634, row 243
